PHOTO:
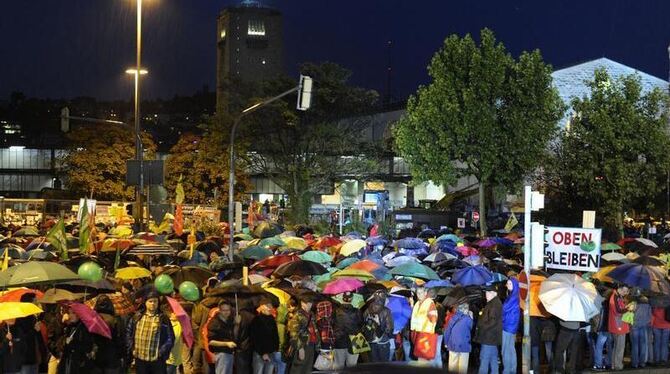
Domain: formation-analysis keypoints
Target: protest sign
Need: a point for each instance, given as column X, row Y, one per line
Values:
column 574, row 249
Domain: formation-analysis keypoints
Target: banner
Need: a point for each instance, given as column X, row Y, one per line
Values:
column 573, row 249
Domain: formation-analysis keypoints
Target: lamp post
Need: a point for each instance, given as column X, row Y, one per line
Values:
column 138, row 144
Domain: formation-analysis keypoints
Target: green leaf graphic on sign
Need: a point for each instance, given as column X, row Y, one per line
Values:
column 588, row 246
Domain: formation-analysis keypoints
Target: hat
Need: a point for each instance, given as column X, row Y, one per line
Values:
column 151, row 294
column 491, row 287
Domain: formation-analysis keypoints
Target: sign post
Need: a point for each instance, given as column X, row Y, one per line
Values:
column 533, row 201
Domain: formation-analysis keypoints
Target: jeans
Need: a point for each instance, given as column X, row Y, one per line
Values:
column 150, row 367
column 344, row 359
column 224, row 363
column 602, row 341
column 279, row 363
column 262, row 367
column 407, row 348
column 488, row 359
column 437, row 360
column 618, row 346
column 508, row 352
column 380, row 352
column 458, row 362
column 661, row 337
column 638, row 339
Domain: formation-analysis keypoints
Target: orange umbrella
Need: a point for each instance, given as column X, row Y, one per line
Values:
column 15, row 295
column 365, row 265
column 536, row 307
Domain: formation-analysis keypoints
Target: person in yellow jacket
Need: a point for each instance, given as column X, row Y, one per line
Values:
column 175, row 359
column 424, row 317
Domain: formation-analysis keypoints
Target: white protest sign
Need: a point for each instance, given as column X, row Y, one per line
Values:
column 573, row 249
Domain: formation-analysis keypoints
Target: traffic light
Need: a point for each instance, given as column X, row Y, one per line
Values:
column 65, row 119
column 304, row 93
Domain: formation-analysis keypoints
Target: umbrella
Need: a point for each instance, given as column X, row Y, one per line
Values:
column 401, row 311
column 92, row 320
column 207, row 246
column 184, row 321
column 12, row 310
column 242, row 236
column 327, row 242
column 504, row 241
column 354, row 273
column 415, row 270
column 649, row 260
column 570, row 298
column 466, row 251
column 365, row 265
column 122, row 305
column 41, row 254
column 410, row 243
column 100, row 286
column 15, row 252
column 473, row 260
column 449, row 237
column 346, row 262
column 439, row 257
column 26, row 231
column 55, row 295
column 352, row 235
column 235, row 291
column 255, row 252
column 195, row 274
column 36, row 272
column 439, row 283
column 257, row 278
column 458, row 295
column 397, row 259
column 294, row 243
column 267, row 229
column 643, row 276
column 280, row 294
column 38, row 243
column 646, row 242
column 614, row 256
column 486, row 243
column 376, row 240
column 271, row 242
column 299, row 267
column 274, row 262
column 317, row 256
column 601, row 274
column 352, row 246
column 342, row 285
column 15, row 295
column 472, row 275
column 498, row 278
column 152, row 250
column 113, row 244
column 610, row 247
column 132, row 272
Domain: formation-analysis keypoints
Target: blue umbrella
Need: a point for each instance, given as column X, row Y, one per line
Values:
column 399, row 260
column 415, row 252
column 410, row 243
column 438, row 283
column 376, row 240
column 353, row 235
column 504, row 241
column 472, row 276
column 375, row 257
column 401, row 312
column 449, row 237
column 643, row 276
column 498, row 278
column 346, row 262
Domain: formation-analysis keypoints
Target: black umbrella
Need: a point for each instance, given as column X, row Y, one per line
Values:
column 236, row 292
column 301, row 268
column 427, row 233
column 648, row 260
column 195, row 274
column 458, row 295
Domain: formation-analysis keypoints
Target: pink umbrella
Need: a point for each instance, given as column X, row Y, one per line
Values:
column 342, row 285
column 184, row 321
column 466, row 251
column 91, row 319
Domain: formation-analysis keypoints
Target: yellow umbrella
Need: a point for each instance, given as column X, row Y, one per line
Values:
column 11, row 310
column 281, row 295
column 601, row 274
column 389, row 284
column 133, row 272
column 293, row 242
column 354, row 273
column 352, row 247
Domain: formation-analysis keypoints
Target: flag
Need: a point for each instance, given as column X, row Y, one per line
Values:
column 511, row 222
column 56, row 237
column 190, row 240
column 84, row 229
column 178, row 224
column 5, row 261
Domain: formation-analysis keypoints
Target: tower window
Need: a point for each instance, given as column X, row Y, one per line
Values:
column 256, row 27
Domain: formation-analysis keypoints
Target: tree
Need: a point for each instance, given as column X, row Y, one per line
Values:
column 203, row 163
column 484, row 114
column 305, row 153
column 95, row 161
column 614, row 151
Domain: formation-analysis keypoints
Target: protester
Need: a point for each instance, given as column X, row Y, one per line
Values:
column 31, row 330
column 378, row 327
column 457, row 339
column 511, row 317
column 489, row 332
column 110, row 353
column 12, row 347
column 78, row 347
column 265, row 337
column 303, row 338
column 661, row 328
column 175, row 360
column 617, row 327
column 424, row 320
column 149, row 337
column 348, row 323
column 639, row 332
column 222, row 336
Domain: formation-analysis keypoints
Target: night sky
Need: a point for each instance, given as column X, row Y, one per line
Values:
column 69, row 48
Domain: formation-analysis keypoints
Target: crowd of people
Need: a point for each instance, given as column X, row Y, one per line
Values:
column 458, row 328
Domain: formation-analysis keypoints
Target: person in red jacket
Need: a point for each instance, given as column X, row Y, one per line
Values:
column 616, row 326
column 661, row 328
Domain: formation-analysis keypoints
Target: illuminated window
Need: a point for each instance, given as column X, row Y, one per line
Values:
column 223, row 34
column 256, row 27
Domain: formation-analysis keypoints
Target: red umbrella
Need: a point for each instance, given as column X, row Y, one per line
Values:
column 274, row 262
column 184, row 321
column 327, row 242
column 92, row 320
column 15, row 295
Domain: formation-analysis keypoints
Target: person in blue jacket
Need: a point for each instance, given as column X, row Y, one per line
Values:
column 457, row 339
column 511, row 315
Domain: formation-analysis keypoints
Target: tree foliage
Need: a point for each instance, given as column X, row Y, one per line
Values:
column 614, row 152
column 483, row 114
column 203, row 162
column 95, row 161
column 304, row 153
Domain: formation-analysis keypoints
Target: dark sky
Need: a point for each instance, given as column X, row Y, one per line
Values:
column 68, row 48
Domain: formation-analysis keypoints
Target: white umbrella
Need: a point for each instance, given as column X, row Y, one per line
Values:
column 439, row 256
column 647, row 242
column 614, row 256
column 570, row 298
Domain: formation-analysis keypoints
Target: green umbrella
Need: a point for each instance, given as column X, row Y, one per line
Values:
column 255, row 253
column 243, row 236
column 317, row 256
column 271, row 242
column 610, row 247
column 267, row 229
column 415, row 270
column 345, row 263
column 36, row 272
column 27, row 231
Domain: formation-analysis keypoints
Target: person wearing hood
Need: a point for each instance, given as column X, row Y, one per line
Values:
column 457, row 339
column 378, row 327
column 489, row 332
column 108, row 359
column 510, row 323
column 348, row 322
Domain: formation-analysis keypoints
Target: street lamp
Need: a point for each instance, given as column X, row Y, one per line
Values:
column 138, row 144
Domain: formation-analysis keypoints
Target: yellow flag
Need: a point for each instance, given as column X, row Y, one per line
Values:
column 5, row 261
column 511, row 222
